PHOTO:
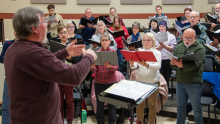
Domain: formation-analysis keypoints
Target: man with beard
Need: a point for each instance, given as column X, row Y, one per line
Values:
column 189, row 77
column 194, row 20
column 112, row 14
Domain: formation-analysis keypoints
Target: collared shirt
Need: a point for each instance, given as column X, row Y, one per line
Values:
column 103, row 74
column 201, row 38
column 87, row 32
column 5, row 47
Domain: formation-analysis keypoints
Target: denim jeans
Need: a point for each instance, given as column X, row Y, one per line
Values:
column 194, row 93
column 120, row 58
column 5, row 105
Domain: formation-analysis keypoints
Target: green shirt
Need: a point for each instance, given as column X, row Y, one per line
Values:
column 191, row 71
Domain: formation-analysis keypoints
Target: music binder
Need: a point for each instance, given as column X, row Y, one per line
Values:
column 211, row 34
column 160, row 37
column 106, row 21
column 179, row 18
column 106, row 56
column 147, row 56
column 94, row 42
column 55, row 46
column 181, row 25
column 209, row 25
column 196, row 28
column 214, row 51
column 192, row 57
column 137, row 44
column 85, row 21
column 79, row 40
column 212, row 18
column 145, row 30
column 116, row 34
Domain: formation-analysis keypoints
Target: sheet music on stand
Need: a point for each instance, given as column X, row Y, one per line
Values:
column 130, row 89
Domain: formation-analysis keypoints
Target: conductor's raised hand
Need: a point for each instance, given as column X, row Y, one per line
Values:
column 74, row 50
column 108, row 65
column 131, row 62
column 89, row 51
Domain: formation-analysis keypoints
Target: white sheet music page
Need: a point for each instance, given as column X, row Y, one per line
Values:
column 131, row 89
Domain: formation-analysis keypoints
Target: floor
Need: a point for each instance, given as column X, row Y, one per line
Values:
column 92, row 120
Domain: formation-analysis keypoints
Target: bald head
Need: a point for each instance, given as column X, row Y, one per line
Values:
column 217, row 8
column 189, row 37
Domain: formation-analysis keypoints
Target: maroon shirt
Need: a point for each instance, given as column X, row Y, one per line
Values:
column 32, row 74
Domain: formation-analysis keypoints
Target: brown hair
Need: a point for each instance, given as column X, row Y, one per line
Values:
column 60, row 28
column 112, row 8
column 187, row 9
column 158, row 6
column 50, row 6
column 119, row 27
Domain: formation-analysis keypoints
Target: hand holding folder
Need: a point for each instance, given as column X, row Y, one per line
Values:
column 85, row 21
column 139, row 55
column 136, row 44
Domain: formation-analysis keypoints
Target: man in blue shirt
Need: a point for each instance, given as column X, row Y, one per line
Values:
column 89, row 30
column 5, row 98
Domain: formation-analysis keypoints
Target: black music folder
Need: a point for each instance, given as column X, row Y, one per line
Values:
column 193, row 57
column 145, row 30
column 106, row 56
column 79, row 40
column 107, row 22
column 94, row 42
column 179, row 18
column 214, row 51
column 211, row 34
column 212, row 18
column 196, row 28
column 137, row 44
column 116, row 34
column 208, row 26
column 55, row 46
column 85, row 21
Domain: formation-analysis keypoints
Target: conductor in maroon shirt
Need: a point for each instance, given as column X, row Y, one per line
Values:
column 33, row 73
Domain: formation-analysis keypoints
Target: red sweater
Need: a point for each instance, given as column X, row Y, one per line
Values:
column 32, row 74
column 119, row 40
column 122, row 23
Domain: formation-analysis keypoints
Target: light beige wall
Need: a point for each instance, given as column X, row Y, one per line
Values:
column 9, row 6
column 2, row 77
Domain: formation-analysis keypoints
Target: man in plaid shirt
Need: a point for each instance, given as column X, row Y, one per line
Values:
column 104, row 78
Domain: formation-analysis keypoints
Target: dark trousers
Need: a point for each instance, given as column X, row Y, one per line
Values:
column 68, row 91
column 120, row 58
column 165, row 70
column 100, row 115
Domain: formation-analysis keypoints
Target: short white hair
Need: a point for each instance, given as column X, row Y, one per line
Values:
column 195, row 12
column 87, row 9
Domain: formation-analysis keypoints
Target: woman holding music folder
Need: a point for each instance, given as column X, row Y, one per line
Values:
column 72, row 29
column 101, row 30
column 118, row 27
column 105, row 77
column 148, row 72
column 134, row 37
column 168, row 45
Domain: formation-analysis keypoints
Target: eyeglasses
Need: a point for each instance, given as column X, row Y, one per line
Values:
column 101, row 26
column 71, row 27
column 135, row 28
column 217, row 8
column 105, row 40
column 187, row 13
column 185, row 38
column 193, row 17
column 147, row 40
column 61, row 33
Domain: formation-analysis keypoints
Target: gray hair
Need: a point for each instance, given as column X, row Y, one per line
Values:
column 195, row 12
column 24, row 19
column 105, row 35
column 136, row 24
column 97, row 30
column 87, row 9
